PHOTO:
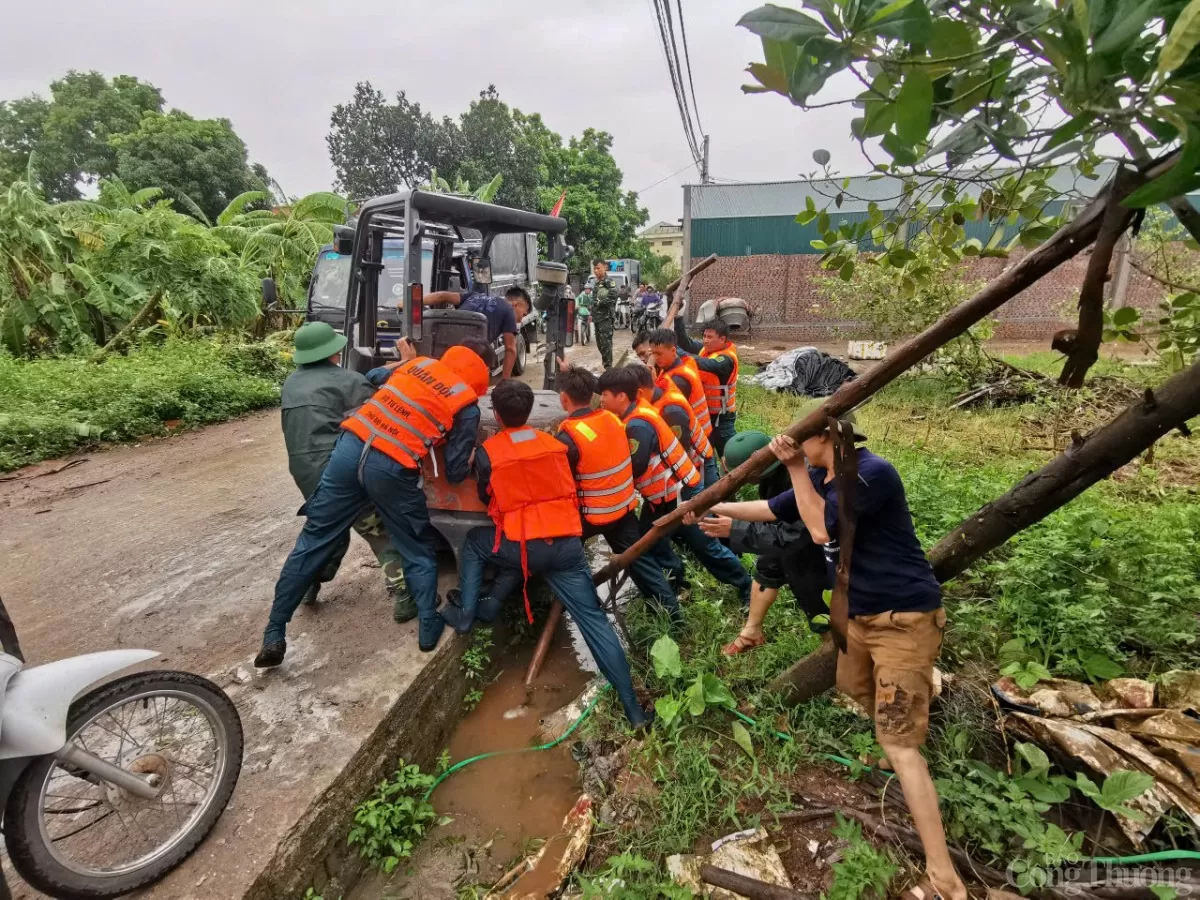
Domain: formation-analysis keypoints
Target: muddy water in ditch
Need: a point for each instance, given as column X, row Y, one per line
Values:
column 500, row 806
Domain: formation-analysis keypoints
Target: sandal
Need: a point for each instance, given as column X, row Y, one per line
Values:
column 742, row 643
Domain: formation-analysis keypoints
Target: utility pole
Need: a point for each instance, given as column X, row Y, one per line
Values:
column 704, row 163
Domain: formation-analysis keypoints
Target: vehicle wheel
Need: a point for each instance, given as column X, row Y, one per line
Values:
column 522, row 354
column 71, row 835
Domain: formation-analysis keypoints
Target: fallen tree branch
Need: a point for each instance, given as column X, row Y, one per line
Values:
column 1165, row 282
column 1091, row 295
column 123, row 335
column 1069, row 474
column 749, row 887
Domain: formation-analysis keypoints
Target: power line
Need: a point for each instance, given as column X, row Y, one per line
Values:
column 661, row 180
column 688, row 59
column 662, row 14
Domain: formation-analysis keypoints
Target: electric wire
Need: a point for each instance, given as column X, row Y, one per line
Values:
column 661, row 11
column 687, row 56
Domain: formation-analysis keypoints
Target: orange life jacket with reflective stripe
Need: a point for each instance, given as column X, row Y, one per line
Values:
column 701, row 449
column 533, row 490
column 722, row 398
column 604, row 475
column 685, row 366
column 413, row 411
column 668, row 469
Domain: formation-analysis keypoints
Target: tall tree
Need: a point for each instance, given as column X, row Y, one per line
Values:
column 603, row 219
column 202, row 159
column 494, row 143
column 70, row 135
column 377, row 148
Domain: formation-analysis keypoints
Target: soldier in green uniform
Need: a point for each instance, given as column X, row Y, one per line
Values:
column 604, row 303
column 315, row 400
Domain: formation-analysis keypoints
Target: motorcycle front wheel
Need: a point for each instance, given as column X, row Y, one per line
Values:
column 71, row 834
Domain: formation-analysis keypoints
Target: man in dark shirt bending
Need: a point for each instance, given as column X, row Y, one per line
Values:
column 896, row 620
column 503, row 314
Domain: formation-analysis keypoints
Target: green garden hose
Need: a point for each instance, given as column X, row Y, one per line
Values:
column 554, row 743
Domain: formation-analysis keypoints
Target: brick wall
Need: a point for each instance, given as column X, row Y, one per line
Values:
column 783, row 291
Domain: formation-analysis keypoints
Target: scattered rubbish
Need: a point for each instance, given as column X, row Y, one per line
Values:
column 750, row 854
column 866, row 349
column 543, row 873
column 554, row 725
column 1118, row 726
column 805, row 370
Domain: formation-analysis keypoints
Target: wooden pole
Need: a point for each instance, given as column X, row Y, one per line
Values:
column 681, row 285
column 749, row 887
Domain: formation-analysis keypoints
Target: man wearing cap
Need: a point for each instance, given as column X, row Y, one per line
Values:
column 316, row 398
column 785, row 554
column 896, row 619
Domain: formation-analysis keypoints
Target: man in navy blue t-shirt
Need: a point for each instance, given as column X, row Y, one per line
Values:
column 896, row 619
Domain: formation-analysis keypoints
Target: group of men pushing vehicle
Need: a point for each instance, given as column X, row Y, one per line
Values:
column 655, row 435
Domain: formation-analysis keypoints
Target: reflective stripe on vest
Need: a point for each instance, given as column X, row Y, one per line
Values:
column 722, row 398
column 700, row 449
column 605, row 494
column 696, row 398
column 668, row 470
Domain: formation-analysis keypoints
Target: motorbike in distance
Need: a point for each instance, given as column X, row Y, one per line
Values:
column 108, row 785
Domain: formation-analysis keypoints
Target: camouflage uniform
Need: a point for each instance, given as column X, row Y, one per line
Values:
column 604, row 302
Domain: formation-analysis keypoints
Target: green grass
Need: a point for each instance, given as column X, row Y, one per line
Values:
column 57, row 405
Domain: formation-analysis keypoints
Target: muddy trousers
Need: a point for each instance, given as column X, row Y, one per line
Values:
column 721, row 562
column 562, row 563
column 355, row 477
column 645, row 571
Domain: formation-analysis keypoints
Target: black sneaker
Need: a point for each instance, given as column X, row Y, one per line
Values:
column 310, row 596
column 271, row 655
column 404, row 607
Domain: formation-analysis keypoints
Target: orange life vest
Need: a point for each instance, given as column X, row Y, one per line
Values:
column 668, row 469
column 414, row 410
column 686, row 367
column 533, row 490
column 701, row 449
column 722, row 398
column 604, row 475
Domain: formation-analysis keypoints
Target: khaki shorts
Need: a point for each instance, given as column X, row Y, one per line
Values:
column 888, row 668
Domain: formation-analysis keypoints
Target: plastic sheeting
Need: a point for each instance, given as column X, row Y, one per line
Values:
column 805, row 370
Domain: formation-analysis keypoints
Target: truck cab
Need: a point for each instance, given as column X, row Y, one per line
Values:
column 514, row 259
column 405, row 244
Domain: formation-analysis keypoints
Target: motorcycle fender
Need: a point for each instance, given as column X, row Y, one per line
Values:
column 34, row 719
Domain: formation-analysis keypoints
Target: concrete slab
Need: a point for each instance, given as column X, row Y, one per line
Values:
column 175, row 545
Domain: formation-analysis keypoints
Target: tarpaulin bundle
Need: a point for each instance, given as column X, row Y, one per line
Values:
column 805, row 370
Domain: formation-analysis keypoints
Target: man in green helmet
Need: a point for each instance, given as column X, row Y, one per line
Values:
column 785, row 553
column 316, row 399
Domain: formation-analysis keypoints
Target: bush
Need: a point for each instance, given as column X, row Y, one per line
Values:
column 55, row 406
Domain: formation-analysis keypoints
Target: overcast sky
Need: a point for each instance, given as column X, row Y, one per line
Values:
column 276, row 68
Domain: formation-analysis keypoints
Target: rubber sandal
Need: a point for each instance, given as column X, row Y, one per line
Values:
column 922, row 890
column 742, row 644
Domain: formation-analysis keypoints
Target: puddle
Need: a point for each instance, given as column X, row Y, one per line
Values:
column 503, row 804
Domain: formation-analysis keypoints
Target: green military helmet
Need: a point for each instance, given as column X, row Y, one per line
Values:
column 316, row 341
column 743, row 445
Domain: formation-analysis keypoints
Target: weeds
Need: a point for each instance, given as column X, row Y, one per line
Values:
column 862, row 871
column 54, row 406
column 630, row 877
column 390, row 824
column 475, row 662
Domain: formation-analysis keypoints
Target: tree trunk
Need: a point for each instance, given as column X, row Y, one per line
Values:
column 124, row 334
column 1091, row 295
column 1036, row 496
column 1070, row 473
column 1066, row 243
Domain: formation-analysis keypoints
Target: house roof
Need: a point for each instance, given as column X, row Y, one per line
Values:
column 663, row 228
column 786, row 198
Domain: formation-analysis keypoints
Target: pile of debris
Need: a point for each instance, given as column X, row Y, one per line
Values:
column 805, row 370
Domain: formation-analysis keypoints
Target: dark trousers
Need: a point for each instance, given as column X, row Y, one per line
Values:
column 710, row 475
column 719, row 560
column 724, row 428
column 355, row 477
column 562, row 563
column 645, row 571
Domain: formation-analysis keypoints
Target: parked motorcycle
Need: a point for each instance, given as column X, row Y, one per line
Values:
column 647, row 318
column 623, row 313
column 107, row 791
